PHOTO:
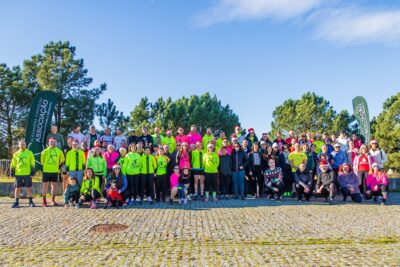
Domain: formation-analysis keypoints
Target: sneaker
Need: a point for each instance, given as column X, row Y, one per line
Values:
column 215, row 199
column 383, row 203
column 202, row 197
column 15, row 205
column 189, row 198
column 125, row 204
column 375, row 199
column 77, row 205
column 66, row 205
column 344, row 199
column 278, row 199
column 205, row 199
column 54, row 204
column 93, row 206
column 331, row 201
column 185, row 201
column 44, row 204
column 180, row 201
column 32, row 205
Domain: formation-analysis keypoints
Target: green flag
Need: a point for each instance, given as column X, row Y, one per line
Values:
column 39, row 123
column 362, row 114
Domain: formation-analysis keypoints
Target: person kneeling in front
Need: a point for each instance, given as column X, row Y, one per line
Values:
column 325, row 186
column 303, row 183
column 116, row 186
column 90, row 189
column 349, row 183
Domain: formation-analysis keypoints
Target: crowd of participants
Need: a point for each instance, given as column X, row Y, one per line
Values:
column 120, row 170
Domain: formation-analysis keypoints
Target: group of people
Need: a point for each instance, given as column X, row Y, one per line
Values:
column 126, row 170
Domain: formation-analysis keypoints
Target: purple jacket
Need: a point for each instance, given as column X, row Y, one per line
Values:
column 349, row 180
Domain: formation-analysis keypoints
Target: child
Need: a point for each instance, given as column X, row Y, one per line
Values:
column 71, row 194
column 183, row 185
column 113, row 196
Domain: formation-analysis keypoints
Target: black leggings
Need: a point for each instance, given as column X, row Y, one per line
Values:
column 93, row 196
column 258, row 176
column 146, row 183
column 133, row 185
column 269, row 188
column 161, row 187
column 300, row 192
column 225, row 183
column 382, row 189
column 211, row 182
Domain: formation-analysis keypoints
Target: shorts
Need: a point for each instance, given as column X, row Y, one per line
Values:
column 23, row 181
column 197, row 172
column 50, row 177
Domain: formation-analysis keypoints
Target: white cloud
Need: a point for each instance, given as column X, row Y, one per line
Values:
column 228, row 10
column 356, row 26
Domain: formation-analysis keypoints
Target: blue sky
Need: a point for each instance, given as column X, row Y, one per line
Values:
column 252, row 54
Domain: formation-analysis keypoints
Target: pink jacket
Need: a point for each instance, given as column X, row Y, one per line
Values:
column 373, row 180
column 193, row 138
column 111, row 158
column 174, row 179
column 184, row 160
column 181, row 139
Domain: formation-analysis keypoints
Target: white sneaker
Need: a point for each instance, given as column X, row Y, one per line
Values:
column 189, row 198
column 185, row 201
column 180, row 201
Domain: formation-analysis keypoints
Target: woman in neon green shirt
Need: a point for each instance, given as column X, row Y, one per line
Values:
column 161, row 178
column 211, row 163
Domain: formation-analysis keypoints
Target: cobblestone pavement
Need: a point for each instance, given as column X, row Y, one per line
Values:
column 225, row 233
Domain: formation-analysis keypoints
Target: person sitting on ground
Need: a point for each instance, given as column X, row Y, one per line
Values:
column 71, row 194
column 174, row 180
column 377, row 184
column 273, row 181
column 325, row 186
column 183, row 186
column 303, row 183
column 90, row 189
column 349, row 183
column 118, row 194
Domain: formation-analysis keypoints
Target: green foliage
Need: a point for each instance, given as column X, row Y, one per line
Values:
column 311, row 113
column 204, row 111
column 109, row 116
column 14, row 106
column 57, row 70
column 386, row 128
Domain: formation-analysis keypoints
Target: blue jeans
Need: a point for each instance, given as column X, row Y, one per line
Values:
column 238, row 182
